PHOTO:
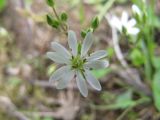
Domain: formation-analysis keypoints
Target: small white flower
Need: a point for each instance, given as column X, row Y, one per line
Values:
column 77, row 63
column 124, row 24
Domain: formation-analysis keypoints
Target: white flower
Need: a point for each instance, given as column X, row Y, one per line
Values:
column 124, row 24
column 77, row 63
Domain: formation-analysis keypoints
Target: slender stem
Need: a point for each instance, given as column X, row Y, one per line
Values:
column 104, row 9
column 124, row 113
column 118, row 49
column 55, row 12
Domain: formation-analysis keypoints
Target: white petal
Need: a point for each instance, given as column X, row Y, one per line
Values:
column 112, row 20
column 87, row 43
column 92, row 80
column 116, row 23
column 65, row 79
column 131, row 23
column 124, row 18
column 136, row 9
column 57, row 57
column 133, row 31
column 58, row 74
column 97, row 55
column 97, row 64
column 81, row 84
column 72, row 41
column 60, row 49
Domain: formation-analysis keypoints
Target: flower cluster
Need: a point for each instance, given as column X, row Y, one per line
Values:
column 77, row 63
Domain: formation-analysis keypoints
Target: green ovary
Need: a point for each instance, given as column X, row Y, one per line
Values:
column 77, row 62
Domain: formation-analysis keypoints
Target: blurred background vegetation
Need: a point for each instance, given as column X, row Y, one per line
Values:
column 25, row 36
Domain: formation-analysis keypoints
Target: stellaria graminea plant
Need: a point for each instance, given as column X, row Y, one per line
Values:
column 77, row 63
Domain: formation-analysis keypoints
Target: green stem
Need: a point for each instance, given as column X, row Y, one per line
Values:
column 63, row 27
column 55, row 12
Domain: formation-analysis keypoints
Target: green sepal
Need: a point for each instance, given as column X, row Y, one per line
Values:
column 52, row 22
column 64, row 16
column 55, row 24
column 49, row 19
column 83, row 33
column 50, row 3
column 95, row 23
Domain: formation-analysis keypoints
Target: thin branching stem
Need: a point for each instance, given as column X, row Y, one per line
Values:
column 63, row 26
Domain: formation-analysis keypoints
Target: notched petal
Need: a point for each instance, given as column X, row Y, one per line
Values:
column 65, row 79
column 131, row 23
column 58, row 74
column 57, row 58
column 97, row 64
column 92, row 80
column 87, row 43
column 133, row 31
column 81, row 84
column 124, row 18
column 72, row 41
column 97, row 55
column 60, row 49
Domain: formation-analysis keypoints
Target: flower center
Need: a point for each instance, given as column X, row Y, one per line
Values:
column 77, row 62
